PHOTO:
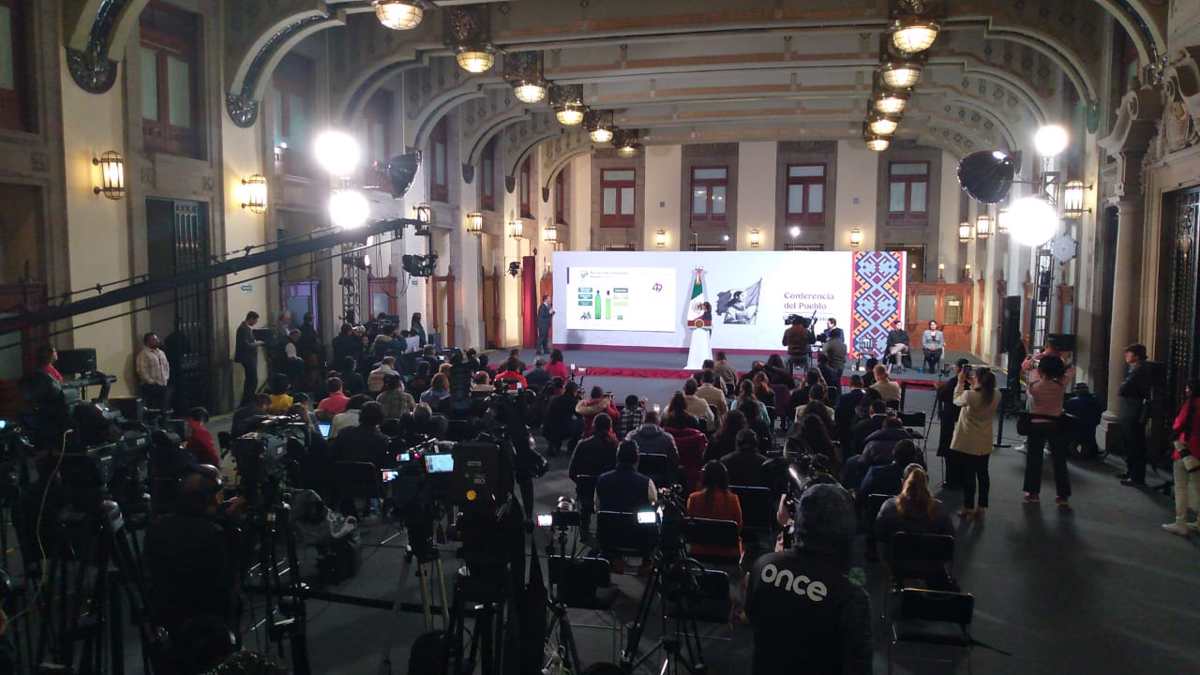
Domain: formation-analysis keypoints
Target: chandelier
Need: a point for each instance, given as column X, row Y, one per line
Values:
column 399, row 14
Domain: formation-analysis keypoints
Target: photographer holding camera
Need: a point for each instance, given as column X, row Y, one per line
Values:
column 808, row 616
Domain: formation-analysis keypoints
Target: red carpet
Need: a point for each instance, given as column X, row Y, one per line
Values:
column 676, row 374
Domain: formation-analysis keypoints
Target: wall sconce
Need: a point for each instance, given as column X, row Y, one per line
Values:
column 964, row 232
column 983, row 226
column 1002, row 223
column 941, row 271
column 254, row 194
column 755, row 238
column 112, row 175
column 967, row 272
column 856, row 238
column 423, row 213
column 550, row 234
column 516, row 228
column 474, row 222
column 660, row 239
column 1073, row 199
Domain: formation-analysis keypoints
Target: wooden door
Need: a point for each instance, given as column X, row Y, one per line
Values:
column 383, row 295
column 948, row 304
column 441, row 308
column 529, row 301
column 490, row 295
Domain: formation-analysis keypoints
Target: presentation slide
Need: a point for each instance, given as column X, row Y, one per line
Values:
column 620, row 298
column 639, row 299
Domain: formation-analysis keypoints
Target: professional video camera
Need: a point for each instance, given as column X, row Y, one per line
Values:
column 104, row 455
column 264, row 455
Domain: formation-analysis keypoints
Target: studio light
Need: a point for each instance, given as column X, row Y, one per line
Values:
column 878, row 143
column 987, row 175
column 914, row 34
column 1032, row 221
column 964, row 232
column 1050, row 140
column 475, row 222
column 983, row 226
column 794, row 231
column 476, row 60
column 112, row 175
column 569, row 114
column 254, row 194
column 900, row 74
column 890, row 102
column 348, row 209
column 337, row 152
column 1073, row 199
column 399, row 14
column 882, row 125
column 529, row 91
column 856, row 238
column 401, row 170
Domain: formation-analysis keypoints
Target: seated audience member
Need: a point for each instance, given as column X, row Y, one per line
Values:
column 539, row 376
column 348, row 417
column 510, row 375
column 1084, row 413
column 888, row 390
column 713, row 395
column 363, row 442
column 631, row 416
column 425, row 423
column 877, row 413
column 746, row 394
column 763, row 391
column 698, row 407
column 725, row 440
column 481, row 384
column 375, row 380
column 281, row 397
column 776, row 372
column 754, row 421
column 677, row 415
column 878, row 450
column 596, row 404
column 561, row 422
column 869, row 375
column 885, row 479
column 745, row 464
column 916, row 511
column 244, row 417
column 352, row 382
column 514, row 361
column 816, row 407
column 593, row 456
column 652, row 439
column 438, row 391
column 844, row 412
column 393, row 399
column 334, row 402
column 419, row 383
column 626, row 490
column 725, row 372
column 200, row 439
column 800, row 395
column 811, row 437
column 690, row 443
column 556, row 367
column 833, row 379
column 715, row 501
column 484, row 364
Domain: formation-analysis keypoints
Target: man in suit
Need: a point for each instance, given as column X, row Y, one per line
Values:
column 545, row 315
column 245, row 352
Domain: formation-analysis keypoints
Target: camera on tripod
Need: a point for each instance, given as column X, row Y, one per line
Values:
column 563, row 516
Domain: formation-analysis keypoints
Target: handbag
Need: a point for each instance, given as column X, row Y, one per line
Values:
column 1190, row 463
column 1024, row 423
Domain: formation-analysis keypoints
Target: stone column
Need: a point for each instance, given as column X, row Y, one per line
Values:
column 1126, row 292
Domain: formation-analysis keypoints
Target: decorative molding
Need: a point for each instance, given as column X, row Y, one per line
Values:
column 468, row 173
column 1137, row 123
column 243, row 111
column 92, row 70
column 242, row 104
column 89, row 63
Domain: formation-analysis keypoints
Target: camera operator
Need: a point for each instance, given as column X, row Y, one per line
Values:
column 798, row 338
column 244, row 417
column 808, row 617
column 364, row 442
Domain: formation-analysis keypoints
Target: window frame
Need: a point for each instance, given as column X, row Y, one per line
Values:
column 708, row 184
column 487, row 177
column 378, row 112
column 618, row 219
column 16, row 109
column 560, row 197
column 294, row 76
column 804, row 217
column 908, row 217
column 525, row 188
column 439, row 192
column 161, row 135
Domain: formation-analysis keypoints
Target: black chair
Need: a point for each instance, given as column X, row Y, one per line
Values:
column 709, row 602
column 618, row 532
column 659, row 468
column 928, row 617
column 918, row 560
column 714, row 533
column 355, row 480
column 758, row 516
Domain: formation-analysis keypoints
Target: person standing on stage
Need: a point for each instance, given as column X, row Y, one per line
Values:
column 545, row 315
column 245, row 353
column 154, row 372
column 1134, row 391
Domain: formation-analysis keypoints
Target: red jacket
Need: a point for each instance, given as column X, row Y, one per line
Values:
column 558, row 369
column 691, row 444
column 1188, row 433
column 200, row 443
column 589, row 408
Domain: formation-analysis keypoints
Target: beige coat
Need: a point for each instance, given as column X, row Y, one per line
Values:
column 973, row 432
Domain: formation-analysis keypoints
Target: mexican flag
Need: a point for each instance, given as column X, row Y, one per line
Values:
column 699, row 312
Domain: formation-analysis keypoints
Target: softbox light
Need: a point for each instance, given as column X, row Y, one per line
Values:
column 401, row 170
column 987, row 175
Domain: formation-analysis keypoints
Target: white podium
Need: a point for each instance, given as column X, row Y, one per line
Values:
column 700, row 349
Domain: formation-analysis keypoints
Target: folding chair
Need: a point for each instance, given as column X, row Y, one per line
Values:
column 933, row 618
column 713, row 533
column 874, row 503
column 585, row 583
column 910, row 558
column 758, row 516
column 659, row 468
column 618, row 532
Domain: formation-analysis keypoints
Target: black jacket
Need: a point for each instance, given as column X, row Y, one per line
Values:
column 245, row 350
column 593, row 456
column 858, row 435
column 362, row 444
column 622, row 489
column 1137, row 383
column 745, row 468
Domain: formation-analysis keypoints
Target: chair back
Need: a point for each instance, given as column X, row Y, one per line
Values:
column 944, row 606
column 709, row 602
column 355, row 480
column 578, row 581
column 874, row 503
column 711, row 532
column 657, row 467
column 620, row 531
column 910, row 548
column 758, row 506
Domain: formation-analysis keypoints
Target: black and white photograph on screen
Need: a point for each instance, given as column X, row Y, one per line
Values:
column 739, row 306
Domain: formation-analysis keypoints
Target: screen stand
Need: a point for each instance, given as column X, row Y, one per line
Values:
column 700, row 349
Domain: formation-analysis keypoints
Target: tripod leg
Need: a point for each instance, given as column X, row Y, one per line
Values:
column 639, row 623
column 423, row 570
column 567, row 640
column 441, row 577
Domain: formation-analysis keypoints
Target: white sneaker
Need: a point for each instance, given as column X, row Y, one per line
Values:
column 1178, row 528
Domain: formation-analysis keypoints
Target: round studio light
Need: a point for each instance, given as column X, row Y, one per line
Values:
column 890, row 103
column 877, row 144
column 1031, row 221
column 399, row 14
column 476, row 60
column 569, row 114
column 529, row 91
column 1050, row 140
column 900, row 74
column 337, row 152
column 794, row 231
column 913, row 35
column 601, row 135
column 882, row 125
column 348, row 209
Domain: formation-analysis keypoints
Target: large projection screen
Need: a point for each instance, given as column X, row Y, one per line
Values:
column 625, row 300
